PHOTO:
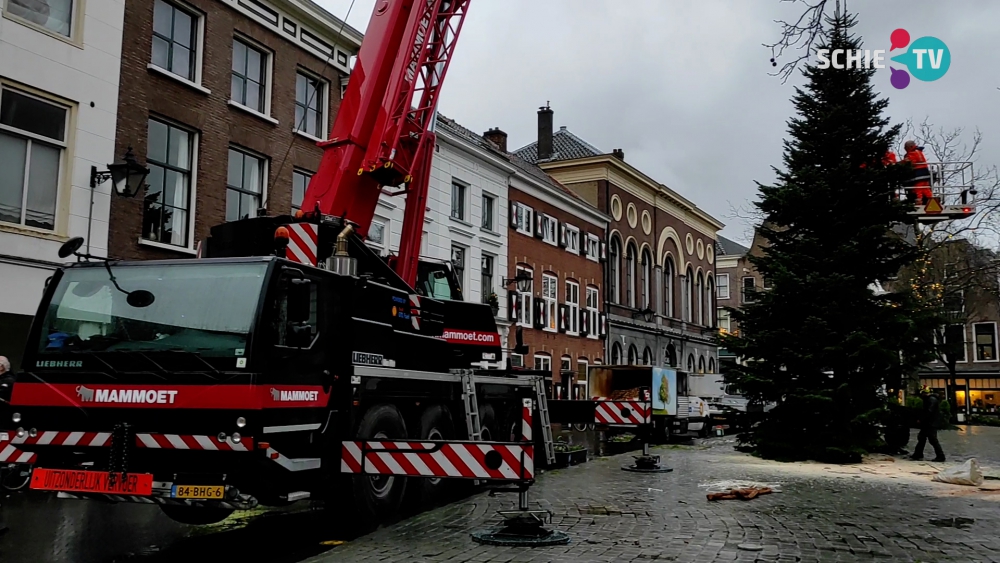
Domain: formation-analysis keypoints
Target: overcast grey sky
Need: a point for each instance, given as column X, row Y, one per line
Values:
column 684, row 87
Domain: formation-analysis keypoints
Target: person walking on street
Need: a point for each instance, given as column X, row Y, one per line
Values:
column 5, row 382
column 928, row 426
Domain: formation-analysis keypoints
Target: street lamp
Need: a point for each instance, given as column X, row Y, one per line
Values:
column 522, row 276
column 127, row 175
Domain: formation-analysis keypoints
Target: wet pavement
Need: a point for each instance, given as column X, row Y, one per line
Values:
column 610, row 515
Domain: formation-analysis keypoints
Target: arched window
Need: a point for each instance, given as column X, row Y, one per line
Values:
column 633, row 355
column 615, row 265
column 686, row 295
column 616, row 354
column 645, row 275
column 668, row 286
column 630, row 275
column 711, row 365
column 691, row 363
column 710, row 316
column 701, row 364
column 700, row 293
column 647, row 357
column 670, row 356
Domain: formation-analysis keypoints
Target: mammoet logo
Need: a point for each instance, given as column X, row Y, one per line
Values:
column 136, row 396
column 285, row 396
column 85, row 394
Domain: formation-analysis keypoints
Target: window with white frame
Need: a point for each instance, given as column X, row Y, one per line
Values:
column 300, row 181
column 614, row 270
column 458, row 263
column 522, row 218
column 167, row 201
column 244, row 184
column 486, row 277
column 954, row 302
column 722, row 286
column 525, row 290
column 572, row 239
column 986, row 341
column 543, row 362
column 749, row 287
column 32, row 141
column 53, row 15
column 310, row 95
column 549, row 296
column 458, row 191
column 723, row 319
column 593, row 296
column 488, row 212
column 549, row 226
column 565, row 363
column 645, row 277
column 376, row 236
column 593, row 247
column 516, row 360
column 175, row 39
column 249, row 80
column 630, row 258
column 573, row 304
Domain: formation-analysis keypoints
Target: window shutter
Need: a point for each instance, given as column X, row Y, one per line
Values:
column 513, row 299
column 603, row 329
column 562, row 318
column 539, row 226
column 539, row 313
column 584, row 320
column 513, row 215
column 562, row 236
column 604, row 251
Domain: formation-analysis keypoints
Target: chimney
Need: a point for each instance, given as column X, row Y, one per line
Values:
column 498, row 138
column 619, row 154
column 545, row 132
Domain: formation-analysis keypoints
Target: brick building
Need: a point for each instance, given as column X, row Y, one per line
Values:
column 660, row 279
column 733, row 273
column 555, row 248
column 224, row 101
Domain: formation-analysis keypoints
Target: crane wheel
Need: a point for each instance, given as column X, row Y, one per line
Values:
column 435, row 424
column 378, row 498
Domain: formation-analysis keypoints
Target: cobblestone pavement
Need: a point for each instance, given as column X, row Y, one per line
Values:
column 820, row 514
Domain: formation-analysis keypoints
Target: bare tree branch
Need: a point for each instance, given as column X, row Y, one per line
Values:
column 799, row 35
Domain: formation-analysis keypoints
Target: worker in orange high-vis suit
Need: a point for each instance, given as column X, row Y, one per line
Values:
column 920, row 184
column 889, row 158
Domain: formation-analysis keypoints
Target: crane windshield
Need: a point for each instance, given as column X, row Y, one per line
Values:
column 201, row 308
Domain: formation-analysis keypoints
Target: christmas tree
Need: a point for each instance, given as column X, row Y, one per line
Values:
column 820, row 343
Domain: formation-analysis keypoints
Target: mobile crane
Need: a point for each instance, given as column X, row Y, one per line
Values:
column 291, row 361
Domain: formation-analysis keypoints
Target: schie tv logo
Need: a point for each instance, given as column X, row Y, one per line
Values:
column 927, row 58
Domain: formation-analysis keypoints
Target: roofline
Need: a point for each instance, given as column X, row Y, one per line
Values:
column 461, row 143
column 591, row 213
column 630, row 170
column 331, row 23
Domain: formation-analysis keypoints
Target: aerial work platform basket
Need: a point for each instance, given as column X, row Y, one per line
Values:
column 952, row 193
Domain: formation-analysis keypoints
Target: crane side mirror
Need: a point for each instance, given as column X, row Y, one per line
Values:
column 300, row 298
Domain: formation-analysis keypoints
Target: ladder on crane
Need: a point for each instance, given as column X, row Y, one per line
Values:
column 473, row 423
column 545, row 421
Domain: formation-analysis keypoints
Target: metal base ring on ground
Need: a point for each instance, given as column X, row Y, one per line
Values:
column 647, row 464
column 499, row 537
column 521, row 529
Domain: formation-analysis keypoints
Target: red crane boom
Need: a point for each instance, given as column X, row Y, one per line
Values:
column 383, row 134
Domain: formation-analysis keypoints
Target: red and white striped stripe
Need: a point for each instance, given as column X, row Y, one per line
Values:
column 10, row 454
column 188, row 442
column 415, row 310
column 526, row 420
column 302, row 243
column 54, row 438
column 621, row 412
column 466, row 460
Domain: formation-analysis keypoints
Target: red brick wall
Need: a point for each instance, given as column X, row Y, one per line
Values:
column 543, row 257
column 145, row 93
